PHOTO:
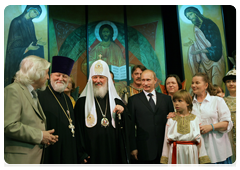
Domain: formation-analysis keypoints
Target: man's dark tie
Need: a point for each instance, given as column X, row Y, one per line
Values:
column 35, row 96
column 34, row 93
column 151, row 102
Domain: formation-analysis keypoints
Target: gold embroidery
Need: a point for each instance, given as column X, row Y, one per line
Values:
column 204, row 160
column 98, row 67
column 134, row 90
column 235, row 144
column 232, row 134
column 164, row 160
column 183, row 123
column 231, row 103
column 90, row 119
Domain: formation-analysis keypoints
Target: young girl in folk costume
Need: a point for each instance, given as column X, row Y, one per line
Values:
column 183, row 143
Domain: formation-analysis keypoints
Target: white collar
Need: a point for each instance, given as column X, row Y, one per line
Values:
column 30, row 89
column 153, row 92
column 207, row 98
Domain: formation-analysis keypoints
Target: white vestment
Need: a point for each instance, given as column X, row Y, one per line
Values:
column 184, row 129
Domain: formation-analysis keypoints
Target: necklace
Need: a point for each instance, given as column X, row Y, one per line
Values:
column 104, row 121
column 71, row 126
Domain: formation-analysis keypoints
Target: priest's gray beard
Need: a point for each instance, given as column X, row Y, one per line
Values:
column 59, row 87
column 100, row 91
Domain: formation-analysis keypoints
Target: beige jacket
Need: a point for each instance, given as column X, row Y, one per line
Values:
column 23, row 123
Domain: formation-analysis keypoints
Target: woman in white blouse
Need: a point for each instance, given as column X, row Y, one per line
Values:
column 215, row 118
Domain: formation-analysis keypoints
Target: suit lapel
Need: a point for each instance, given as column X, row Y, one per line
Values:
column 144, row 100
column 158, row 101
column 29, row 97
column 41, row 111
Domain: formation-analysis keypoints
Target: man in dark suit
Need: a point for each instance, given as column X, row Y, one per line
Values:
column 149, row 111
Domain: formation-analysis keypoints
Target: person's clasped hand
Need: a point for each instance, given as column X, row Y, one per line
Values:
column 118, row 109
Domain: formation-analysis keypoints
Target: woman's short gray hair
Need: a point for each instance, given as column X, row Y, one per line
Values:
column 32, row 68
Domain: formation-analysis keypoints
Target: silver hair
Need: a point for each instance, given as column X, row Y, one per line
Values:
column 32, row 68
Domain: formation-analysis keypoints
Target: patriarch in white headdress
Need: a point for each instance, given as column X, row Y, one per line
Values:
column 99, row 68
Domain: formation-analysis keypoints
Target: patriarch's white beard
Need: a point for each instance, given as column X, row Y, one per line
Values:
column 100, row 91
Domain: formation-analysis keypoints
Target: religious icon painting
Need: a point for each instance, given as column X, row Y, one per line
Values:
column 106, row 37
column 123, row 36
column 203, row 43
column 109, row 43
column 25, row 33
column 143, row 45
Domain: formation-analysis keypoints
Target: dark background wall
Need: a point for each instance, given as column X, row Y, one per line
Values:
column 172, row 42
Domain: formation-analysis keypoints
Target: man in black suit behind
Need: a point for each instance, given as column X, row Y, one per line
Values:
column 149, row 114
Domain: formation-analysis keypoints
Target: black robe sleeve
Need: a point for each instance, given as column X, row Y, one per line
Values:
column 133, row 145
column 79, row 119
column 122, row 130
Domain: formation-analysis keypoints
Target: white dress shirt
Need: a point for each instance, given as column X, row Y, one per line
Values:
column 30, row 89
column 154, row 97
column 214, row 110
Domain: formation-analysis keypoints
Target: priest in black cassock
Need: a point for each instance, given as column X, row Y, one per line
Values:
column 102, row 120
column 59, row 113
